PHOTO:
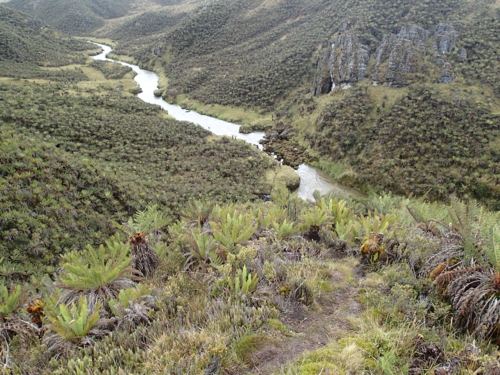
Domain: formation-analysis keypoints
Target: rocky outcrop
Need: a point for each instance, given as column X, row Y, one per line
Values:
column 462, row 55
column 400, row 56
column 279, row 142
column 322, row 79
column 343, row 63
column 445, row 39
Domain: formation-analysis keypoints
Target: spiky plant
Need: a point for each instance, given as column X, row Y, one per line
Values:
column 313, row 219
column 202, row 250
column 99, row 274
column 9, row 300
column 140, row 229
column 233, row 229
column 474, row 292
column 283, row 230
column 74, row 324
column 198, row 211
column 243, row 283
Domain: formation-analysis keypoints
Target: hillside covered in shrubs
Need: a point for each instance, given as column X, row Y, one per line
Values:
column 132, row 243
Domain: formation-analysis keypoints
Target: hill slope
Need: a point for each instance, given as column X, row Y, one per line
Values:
column 75, row 17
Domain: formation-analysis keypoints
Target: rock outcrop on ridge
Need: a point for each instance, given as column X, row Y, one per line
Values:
column 397, row 60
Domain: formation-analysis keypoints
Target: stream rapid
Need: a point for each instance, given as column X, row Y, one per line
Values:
column 311, row 178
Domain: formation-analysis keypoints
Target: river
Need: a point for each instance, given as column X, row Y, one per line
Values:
column 311, row 178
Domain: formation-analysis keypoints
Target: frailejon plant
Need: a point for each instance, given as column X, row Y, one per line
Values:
column 198, row 211
column 132, row 306
column 202, row 250
column 99, row 274
column 74, row 324
column 139, row 229
column 313, row 219
column 233, row 229
column 474, row 292
column 283, row 230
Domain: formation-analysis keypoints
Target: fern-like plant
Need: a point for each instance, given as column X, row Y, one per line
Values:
column 99, row 273
column 9, row 300
column 233, row 229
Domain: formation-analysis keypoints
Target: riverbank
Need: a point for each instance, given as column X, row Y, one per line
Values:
column 311, row 178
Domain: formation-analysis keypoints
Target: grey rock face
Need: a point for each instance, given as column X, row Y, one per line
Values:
column 398, row 58
column 157, row 50
column 402, row 52
column 445, row 39
column 322, row 79
column 462, row 55
column 348, row 59
column 446, row 73
column 343, row 63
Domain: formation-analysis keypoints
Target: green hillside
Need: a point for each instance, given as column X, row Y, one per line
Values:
column 74, row 17
column 132, row 243
column 27, row 45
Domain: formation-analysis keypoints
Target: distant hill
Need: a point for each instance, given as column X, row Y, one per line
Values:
column 26, row 45
column 24, row 39
column 74, row 17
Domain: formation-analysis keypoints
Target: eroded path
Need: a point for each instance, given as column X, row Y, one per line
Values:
column 310, row 328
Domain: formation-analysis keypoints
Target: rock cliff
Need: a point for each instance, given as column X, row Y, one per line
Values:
column 400, row 56
column 344, row 62
column 397, row 59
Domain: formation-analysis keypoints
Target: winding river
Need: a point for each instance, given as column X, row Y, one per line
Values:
column 311, row 179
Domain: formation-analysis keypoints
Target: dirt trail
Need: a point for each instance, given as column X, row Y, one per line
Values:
column 310, row 329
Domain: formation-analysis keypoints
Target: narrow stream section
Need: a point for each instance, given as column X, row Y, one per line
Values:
column 311, row 178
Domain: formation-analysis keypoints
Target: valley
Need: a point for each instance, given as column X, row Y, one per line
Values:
column 249, row 187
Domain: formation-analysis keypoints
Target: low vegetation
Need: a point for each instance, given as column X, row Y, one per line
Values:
column 233, row 281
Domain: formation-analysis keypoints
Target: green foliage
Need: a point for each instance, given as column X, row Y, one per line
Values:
column 233, row 229
column 492, row 249
column 111, row 70
column 198, row 210
column 125, row 297
column 378, row 223
column 314, row 217
column 72, row 322
column 429, row 144
column 25, row 40
column 201, row 249
column 72, row 16
column 285, row 229
column 9, row 300
column 244, row 283
column 95, row 268
column 146, row 221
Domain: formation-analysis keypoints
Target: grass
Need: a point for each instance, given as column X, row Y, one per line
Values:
column 238, row 115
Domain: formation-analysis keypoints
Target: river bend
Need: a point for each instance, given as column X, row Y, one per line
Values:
column 311, row 178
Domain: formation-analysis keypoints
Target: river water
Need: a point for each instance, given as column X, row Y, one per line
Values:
column 311, row 178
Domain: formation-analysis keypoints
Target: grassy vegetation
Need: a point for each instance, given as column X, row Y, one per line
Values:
column 204, row 277
column 74, row 17
column 227, row 297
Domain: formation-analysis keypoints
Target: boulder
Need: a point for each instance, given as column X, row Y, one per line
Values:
column 245, row 129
